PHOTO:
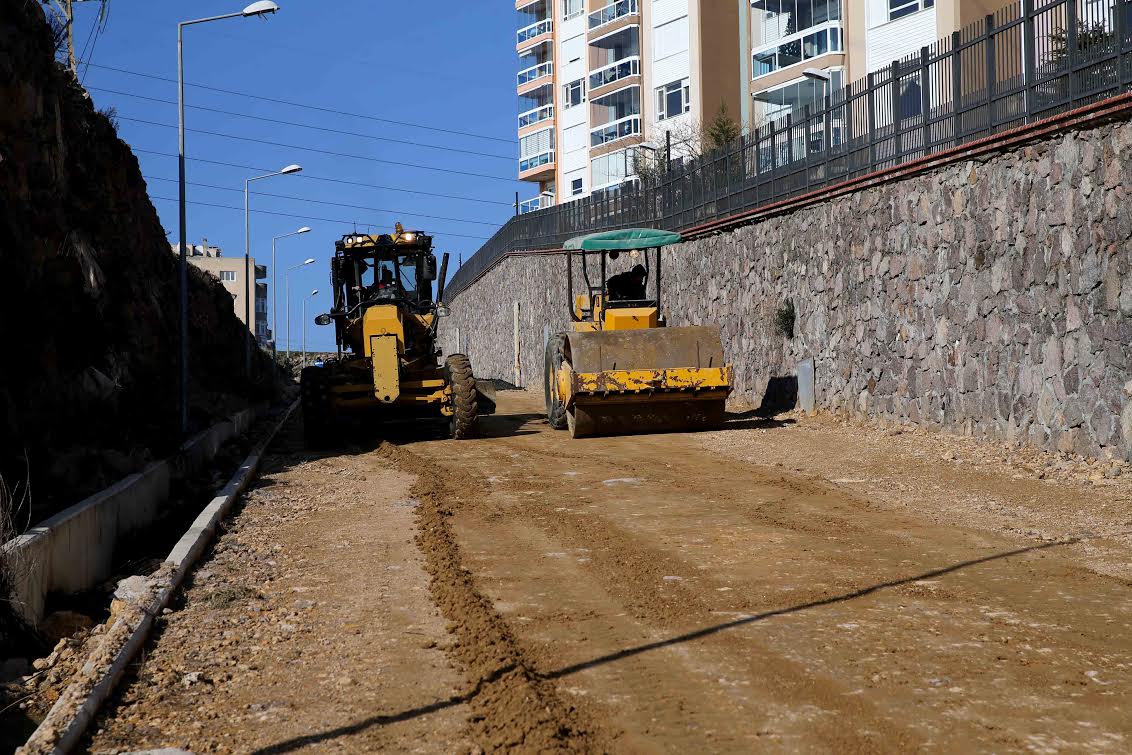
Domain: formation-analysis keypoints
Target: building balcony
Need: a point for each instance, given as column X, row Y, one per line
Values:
column 535, row 116
column 621, row 128
column 530, row 78
column 536, row 203
column 611, row 74
column 531, row 35
column 537, row 167
column 602, row 18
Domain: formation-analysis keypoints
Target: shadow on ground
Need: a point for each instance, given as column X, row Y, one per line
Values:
column 296, row 743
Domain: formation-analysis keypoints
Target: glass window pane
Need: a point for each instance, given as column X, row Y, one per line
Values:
column 821, row 11
column 673, row 105
column 790, row 53
column 765, row 62
column 834, row 10
column 805, row 14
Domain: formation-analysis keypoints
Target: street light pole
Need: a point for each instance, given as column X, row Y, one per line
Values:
column 260, row 9
column 305, row 299
column 287, row 301
column 275, row 293
column 247, row 262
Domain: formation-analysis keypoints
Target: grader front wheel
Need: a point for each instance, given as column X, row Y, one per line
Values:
column 465, row 415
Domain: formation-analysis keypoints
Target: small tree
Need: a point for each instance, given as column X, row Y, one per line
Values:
column 722, row 130
column 1090, row 37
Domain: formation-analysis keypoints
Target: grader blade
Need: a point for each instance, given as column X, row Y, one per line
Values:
column 645, row 381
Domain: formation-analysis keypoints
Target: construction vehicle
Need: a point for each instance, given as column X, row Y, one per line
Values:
column 385, row 320
column 620, row 369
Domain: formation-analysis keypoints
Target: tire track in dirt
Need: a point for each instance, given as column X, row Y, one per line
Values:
column 512, row 707
column 628, row 569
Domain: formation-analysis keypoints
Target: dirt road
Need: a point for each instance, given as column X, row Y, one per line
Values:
column 792, row 585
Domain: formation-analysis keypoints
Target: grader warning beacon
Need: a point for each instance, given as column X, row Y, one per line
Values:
column 621, row 370
column 385, row 320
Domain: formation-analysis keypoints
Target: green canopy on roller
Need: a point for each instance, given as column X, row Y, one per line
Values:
column 630, row 238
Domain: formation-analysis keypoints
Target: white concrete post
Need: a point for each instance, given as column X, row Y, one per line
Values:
column 518, row 358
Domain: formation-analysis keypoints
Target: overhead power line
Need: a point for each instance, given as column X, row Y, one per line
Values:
column 316, row 150
column 318, row 108
column 310, row 177
column 265, row 119
column 327, row 202
column 296, row 215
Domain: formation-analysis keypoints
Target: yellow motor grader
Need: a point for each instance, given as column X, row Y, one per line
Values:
column 621, row 370
column 385, row 320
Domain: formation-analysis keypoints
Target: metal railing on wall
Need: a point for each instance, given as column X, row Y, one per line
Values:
column 1025, row 63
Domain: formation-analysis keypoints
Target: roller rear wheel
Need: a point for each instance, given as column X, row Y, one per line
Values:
column 555, row 356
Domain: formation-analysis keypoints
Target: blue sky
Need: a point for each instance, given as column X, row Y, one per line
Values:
column 447, row 65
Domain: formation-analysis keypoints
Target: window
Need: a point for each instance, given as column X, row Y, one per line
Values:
column 673, row 99
column 574, row 137
column 900, row 8
column 576, row 187
column 774, row 19
column 575, row 94
column 227, row 275
column 670, row 38
column 801, row 47
column 572, row 9
column 573, row 48
column 613, row 168
column 536, row 143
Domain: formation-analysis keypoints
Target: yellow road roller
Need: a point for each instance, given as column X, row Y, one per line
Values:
column 621, row 370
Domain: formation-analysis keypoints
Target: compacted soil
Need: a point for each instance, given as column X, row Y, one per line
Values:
column 784, row 585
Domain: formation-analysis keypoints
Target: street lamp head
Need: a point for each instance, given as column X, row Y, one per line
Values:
column 304, row 229
column 314, row 292
column 813, row 73
column 261, row 8
column 309, row 261
column 291, row 169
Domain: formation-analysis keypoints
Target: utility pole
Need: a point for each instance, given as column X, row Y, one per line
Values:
column 64, row 12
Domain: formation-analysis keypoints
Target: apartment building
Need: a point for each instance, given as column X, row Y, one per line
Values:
column 232, row 275
column 838, row 40
column 599, row 80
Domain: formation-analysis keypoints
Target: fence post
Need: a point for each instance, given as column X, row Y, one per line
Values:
column 827, row 134
column 1118, row 25
column 871, row 89
column 897, row 152
column 991, row 75
column 1028, row 55
column 925, row 100
column 1071, row 48
column 956, row 88
column 807, row 118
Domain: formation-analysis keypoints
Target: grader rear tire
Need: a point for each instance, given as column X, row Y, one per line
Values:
column 465, row 417
column 555, row 356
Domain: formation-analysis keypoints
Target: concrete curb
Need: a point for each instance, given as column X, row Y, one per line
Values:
column 137, row 602
column 73, row 550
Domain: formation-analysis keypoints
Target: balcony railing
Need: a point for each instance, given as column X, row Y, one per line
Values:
column 537, row 29
column 536, row 72
column 536, row 115
column 615, row 72
column 618, row 129
column 536, row 203
column 612, row 12
column 536, row 161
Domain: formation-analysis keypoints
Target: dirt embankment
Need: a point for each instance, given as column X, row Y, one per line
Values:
column 89, row 316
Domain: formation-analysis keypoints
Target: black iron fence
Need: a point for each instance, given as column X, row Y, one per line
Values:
column 1027, row 62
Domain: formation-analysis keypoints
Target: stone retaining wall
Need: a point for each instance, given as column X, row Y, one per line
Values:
column 991, row 297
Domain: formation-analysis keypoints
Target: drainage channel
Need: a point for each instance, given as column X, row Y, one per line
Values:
column 50, row 706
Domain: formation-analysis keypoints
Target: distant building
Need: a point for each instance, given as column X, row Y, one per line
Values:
column 599, row 80
column 232, row 275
